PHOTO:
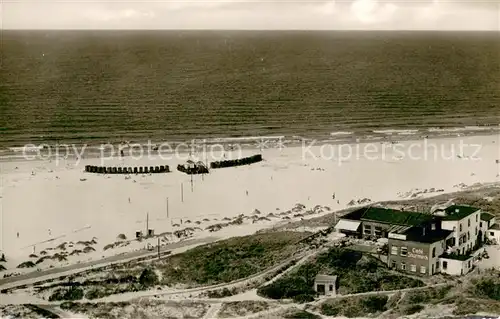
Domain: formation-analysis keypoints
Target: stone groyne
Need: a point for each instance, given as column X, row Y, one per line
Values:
column 127, row 170
column 237, row 162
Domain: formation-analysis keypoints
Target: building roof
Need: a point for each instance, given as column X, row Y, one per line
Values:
column 487, row 217
column 395, row 217
column 458, row 212
column 431, row 236
column 352, row 225
column 456, row 257
column 325, row 278
column 355, row 214
column 495, row 227
column 397, row 229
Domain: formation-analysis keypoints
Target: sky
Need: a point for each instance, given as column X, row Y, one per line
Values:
column 252, row 14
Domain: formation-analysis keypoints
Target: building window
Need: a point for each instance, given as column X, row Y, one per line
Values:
column 437, row 265
column 367, row 230
column 476, row 217
column 433, row 227
column 413, row 268
column 331, row 287
column 403, row 266
column 434, row 252
column 422, row 269
column 378, row 231
column 480, row 224
column 404, row 251
column 445, row 265
column 476, row 230
column 454, row 228
column 393, row 264
column 468, row 236
column 460, row 227
column 492, row 234
column 468, row 222
column 394, row 250
column 469, row 263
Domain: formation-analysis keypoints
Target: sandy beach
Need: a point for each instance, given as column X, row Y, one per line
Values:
column 46, row 203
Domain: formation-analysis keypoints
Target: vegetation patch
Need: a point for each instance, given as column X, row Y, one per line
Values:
column 488, row 287
column 144, row 308
column 23, row 311
column 229, row 260
column 40, row 311
column 478, row 294
column 300, row 314
column 26, row 264
column 412, row 309
column 355, row 307
column 242, row 308
column 221, row 262
column 355, row 273
column 430, row 295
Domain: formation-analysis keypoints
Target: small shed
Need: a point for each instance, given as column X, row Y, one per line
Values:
column 325, row 285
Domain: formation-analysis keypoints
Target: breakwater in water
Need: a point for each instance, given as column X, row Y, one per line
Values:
column 194, row 169
column 127, row 170
column 237, row 162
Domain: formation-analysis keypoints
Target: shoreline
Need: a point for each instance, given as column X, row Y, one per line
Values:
column 228, row 146
column 352, row 133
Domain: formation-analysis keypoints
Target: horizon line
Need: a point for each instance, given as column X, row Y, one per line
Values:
column 260, row 30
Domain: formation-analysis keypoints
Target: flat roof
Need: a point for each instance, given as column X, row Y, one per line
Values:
column 456, row 257
column 495, row 227
column 431, row 236
column 352, row 225
column 458, row 212
column 325, row 278
column 395, row 217
column 487, row 217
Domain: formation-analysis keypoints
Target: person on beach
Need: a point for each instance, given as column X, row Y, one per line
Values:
column 246, row 192
column 17, row 234
column 129, row 200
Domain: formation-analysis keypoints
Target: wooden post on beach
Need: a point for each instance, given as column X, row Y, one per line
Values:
column 167, row 207
column 147, row 223
column 182, row 192
column 191, row 183
column 158, row 248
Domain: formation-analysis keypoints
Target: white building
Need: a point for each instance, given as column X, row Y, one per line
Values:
column 487, row 222
column 325, row 285
column 456, row 265
column 464, row 221
column 493, row 234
